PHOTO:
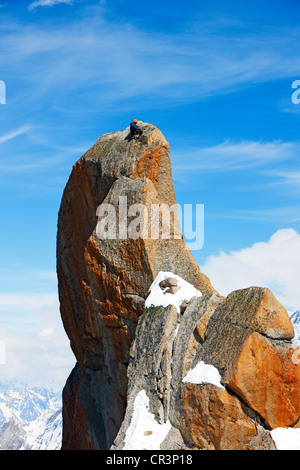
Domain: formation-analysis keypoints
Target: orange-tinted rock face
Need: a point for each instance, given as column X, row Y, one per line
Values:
column 268, row 380
column 271, row 318
column 215, row 420
column 259, row 369
column 103, row 282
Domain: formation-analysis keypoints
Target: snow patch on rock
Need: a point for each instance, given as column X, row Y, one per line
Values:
column 144, row 432
column 204, row 373
column 159, row 297
column 286, row 438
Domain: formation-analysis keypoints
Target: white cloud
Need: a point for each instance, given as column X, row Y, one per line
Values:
column 48, row 3
column 46, row 333
column 274, row 264
column 36, row 358
column 37, row 348
column 27, row 302
column 229, row 156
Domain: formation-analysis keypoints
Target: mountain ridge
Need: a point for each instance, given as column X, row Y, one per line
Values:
column 295, row 319
column 30, row 417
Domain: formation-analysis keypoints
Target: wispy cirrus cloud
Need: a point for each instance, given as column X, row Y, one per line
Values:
column 114, row 62
column 15, row 133
column 230, row 156
column 48, row 3
column 288, row 178
column 286, row 214
column 30, row 165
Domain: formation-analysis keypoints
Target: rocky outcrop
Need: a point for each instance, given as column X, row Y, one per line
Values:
column 213, row 374
column 163, row 360
column 103, row 282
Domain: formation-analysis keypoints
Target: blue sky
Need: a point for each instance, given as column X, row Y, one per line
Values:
column 215, row 77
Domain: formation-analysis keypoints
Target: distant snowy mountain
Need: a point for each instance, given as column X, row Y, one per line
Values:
column 30, row 417
column 295, row 319
column 44, row 433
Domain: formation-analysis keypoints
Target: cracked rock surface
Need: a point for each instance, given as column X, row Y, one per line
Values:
column 259, row 383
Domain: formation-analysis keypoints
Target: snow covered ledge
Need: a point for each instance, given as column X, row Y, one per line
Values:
column 204, row 373
column 159, row 296
column 144, row 432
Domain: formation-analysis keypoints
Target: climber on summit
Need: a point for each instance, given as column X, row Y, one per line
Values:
column 135, row 130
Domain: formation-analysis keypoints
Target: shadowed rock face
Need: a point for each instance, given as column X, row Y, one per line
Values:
column 103, row 283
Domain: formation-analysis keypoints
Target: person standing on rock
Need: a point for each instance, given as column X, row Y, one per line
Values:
column 135, row 130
